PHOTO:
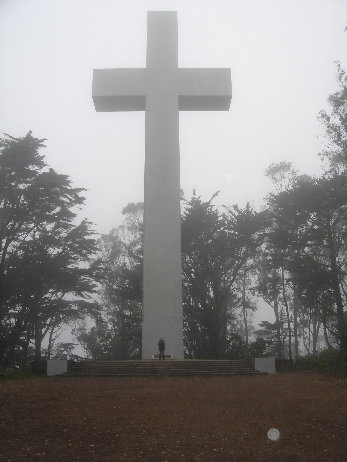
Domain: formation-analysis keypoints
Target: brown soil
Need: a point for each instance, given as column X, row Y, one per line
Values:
column 174, row 419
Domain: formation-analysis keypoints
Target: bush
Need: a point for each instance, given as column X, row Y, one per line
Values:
column 328, row 361
column 39, row 367
column 14, row 374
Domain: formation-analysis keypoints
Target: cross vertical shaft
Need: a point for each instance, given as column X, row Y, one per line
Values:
column 162, row 298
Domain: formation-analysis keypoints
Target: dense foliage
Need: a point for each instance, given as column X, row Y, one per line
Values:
column 116, row 333
column 216, row 247
column 44, row 279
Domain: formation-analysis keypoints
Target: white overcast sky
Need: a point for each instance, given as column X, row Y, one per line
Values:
column 281, row 55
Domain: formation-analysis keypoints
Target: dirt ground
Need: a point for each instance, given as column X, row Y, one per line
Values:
column 174, row 419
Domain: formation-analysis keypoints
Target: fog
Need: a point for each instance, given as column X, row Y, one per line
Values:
column 281, row 55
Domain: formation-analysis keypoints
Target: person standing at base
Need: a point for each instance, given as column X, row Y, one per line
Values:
column 161, row 345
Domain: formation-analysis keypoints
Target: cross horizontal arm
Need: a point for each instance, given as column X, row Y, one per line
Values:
column 126, row 89
column 119, row 89
column 204, row 89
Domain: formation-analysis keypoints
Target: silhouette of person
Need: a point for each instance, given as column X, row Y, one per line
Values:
column 161, row 345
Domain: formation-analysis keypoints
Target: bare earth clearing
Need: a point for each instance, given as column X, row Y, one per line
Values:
column 174, row 419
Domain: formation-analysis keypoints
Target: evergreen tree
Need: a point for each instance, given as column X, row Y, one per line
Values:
column 335, row 123
column 215, row 247
column 45, row 279
column 117, row 330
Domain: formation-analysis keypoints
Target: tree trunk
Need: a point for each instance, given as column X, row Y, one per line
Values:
column 38, row 339
column 326, row 337
column 285, row 301
column 324, row 322
column 244, row 308
column 278, row 330
column 295, row 327
column 25, row 352
column 13, row 338
column 341, row 323
column 50, row 342
column 315, row 332
column 309, row 332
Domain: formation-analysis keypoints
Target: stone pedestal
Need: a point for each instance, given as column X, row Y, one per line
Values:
column 56, row 367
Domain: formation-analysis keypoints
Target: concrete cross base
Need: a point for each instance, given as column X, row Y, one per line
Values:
column 265, row 365
column 56, row 367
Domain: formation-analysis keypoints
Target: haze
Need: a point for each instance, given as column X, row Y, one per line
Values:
column 281, row 55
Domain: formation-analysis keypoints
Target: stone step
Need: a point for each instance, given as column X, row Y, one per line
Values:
column 115, row 369
column 163, row 363
column 160, row 368
column 157, row 361
column 157, row 372
column 180, row 373
column 120, row 368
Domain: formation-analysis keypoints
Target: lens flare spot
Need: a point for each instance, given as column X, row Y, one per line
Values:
column 273, row 434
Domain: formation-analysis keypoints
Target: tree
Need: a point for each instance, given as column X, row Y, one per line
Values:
column 246, row 303
column 64, row 350
column 335, row 123
column 215, row 247
column 314, row 301
column 274, row 281
column 282, row 175
column 117, row 330
column 318, row 207
column 257, row 348
column 269, row 288
column 236, row 347
column 45, row 278
column 268, row 335
column 315, row 235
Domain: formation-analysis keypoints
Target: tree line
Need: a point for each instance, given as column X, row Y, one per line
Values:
column 46, row 278
column 291, row 255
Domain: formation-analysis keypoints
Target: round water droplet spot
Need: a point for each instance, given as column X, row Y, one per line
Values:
column 273, row 434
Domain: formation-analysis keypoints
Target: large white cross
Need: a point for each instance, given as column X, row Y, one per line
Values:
column 162, row 90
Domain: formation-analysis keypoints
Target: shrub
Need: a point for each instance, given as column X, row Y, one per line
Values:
column 330, row 361
column 14, row 374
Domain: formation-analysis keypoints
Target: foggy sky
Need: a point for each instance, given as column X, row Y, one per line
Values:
column 281, row 55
